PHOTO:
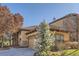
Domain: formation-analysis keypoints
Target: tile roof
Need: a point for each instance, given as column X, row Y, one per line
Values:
column 34, row 28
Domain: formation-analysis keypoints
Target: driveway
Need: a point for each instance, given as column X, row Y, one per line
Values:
column 17, row 52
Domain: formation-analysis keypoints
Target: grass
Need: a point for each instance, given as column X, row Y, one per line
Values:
column 71, row 52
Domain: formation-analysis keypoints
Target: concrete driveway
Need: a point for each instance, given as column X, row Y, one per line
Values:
column 17, row 52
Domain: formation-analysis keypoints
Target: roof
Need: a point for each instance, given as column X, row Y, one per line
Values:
column 71, row 14
column 32, row 29
column 52, row 29
column 29, row 28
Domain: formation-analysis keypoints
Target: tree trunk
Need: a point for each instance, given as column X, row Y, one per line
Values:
column 2, row 42
column 15, row 39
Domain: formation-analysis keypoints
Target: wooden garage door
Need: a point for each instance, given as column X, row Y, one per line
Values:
column 31, row 43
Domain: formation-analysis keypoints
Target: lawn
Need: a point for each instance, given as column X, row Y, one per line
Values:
column 72, row 52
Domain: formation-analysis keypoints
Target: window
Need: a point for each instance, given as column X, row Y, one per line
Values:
column 62, row 37
column 59, row 37
column 20, row 39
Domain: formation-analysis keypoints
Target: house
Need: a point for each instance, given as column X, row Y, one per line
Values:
column 27, row 37
column 65, row 28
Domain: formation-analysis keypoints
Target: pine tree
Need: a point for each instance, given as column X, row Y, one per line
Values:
column 44, row 41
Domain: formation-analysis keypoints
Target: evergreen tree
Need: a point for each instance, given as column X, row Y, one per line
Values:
column 44, row 42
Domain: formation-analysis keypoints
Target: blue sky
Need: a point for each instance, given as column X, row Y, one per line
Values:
column 35, row 13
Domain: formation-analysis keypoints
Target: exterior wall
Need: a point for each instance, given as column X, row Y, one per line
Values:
column 22, row 39
column 65, row 34
column 60, row 44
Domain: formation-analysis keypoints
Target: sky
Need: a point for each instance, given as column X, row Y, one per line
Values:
column 33, row 14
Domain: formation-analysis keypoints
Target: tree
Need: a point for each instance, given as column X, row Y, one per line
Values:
column 44, row 41
column 9, row 23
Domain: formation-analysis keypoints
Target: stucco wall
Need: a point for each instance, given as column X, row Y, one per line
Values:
column 65, row 34
column 22, row 39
